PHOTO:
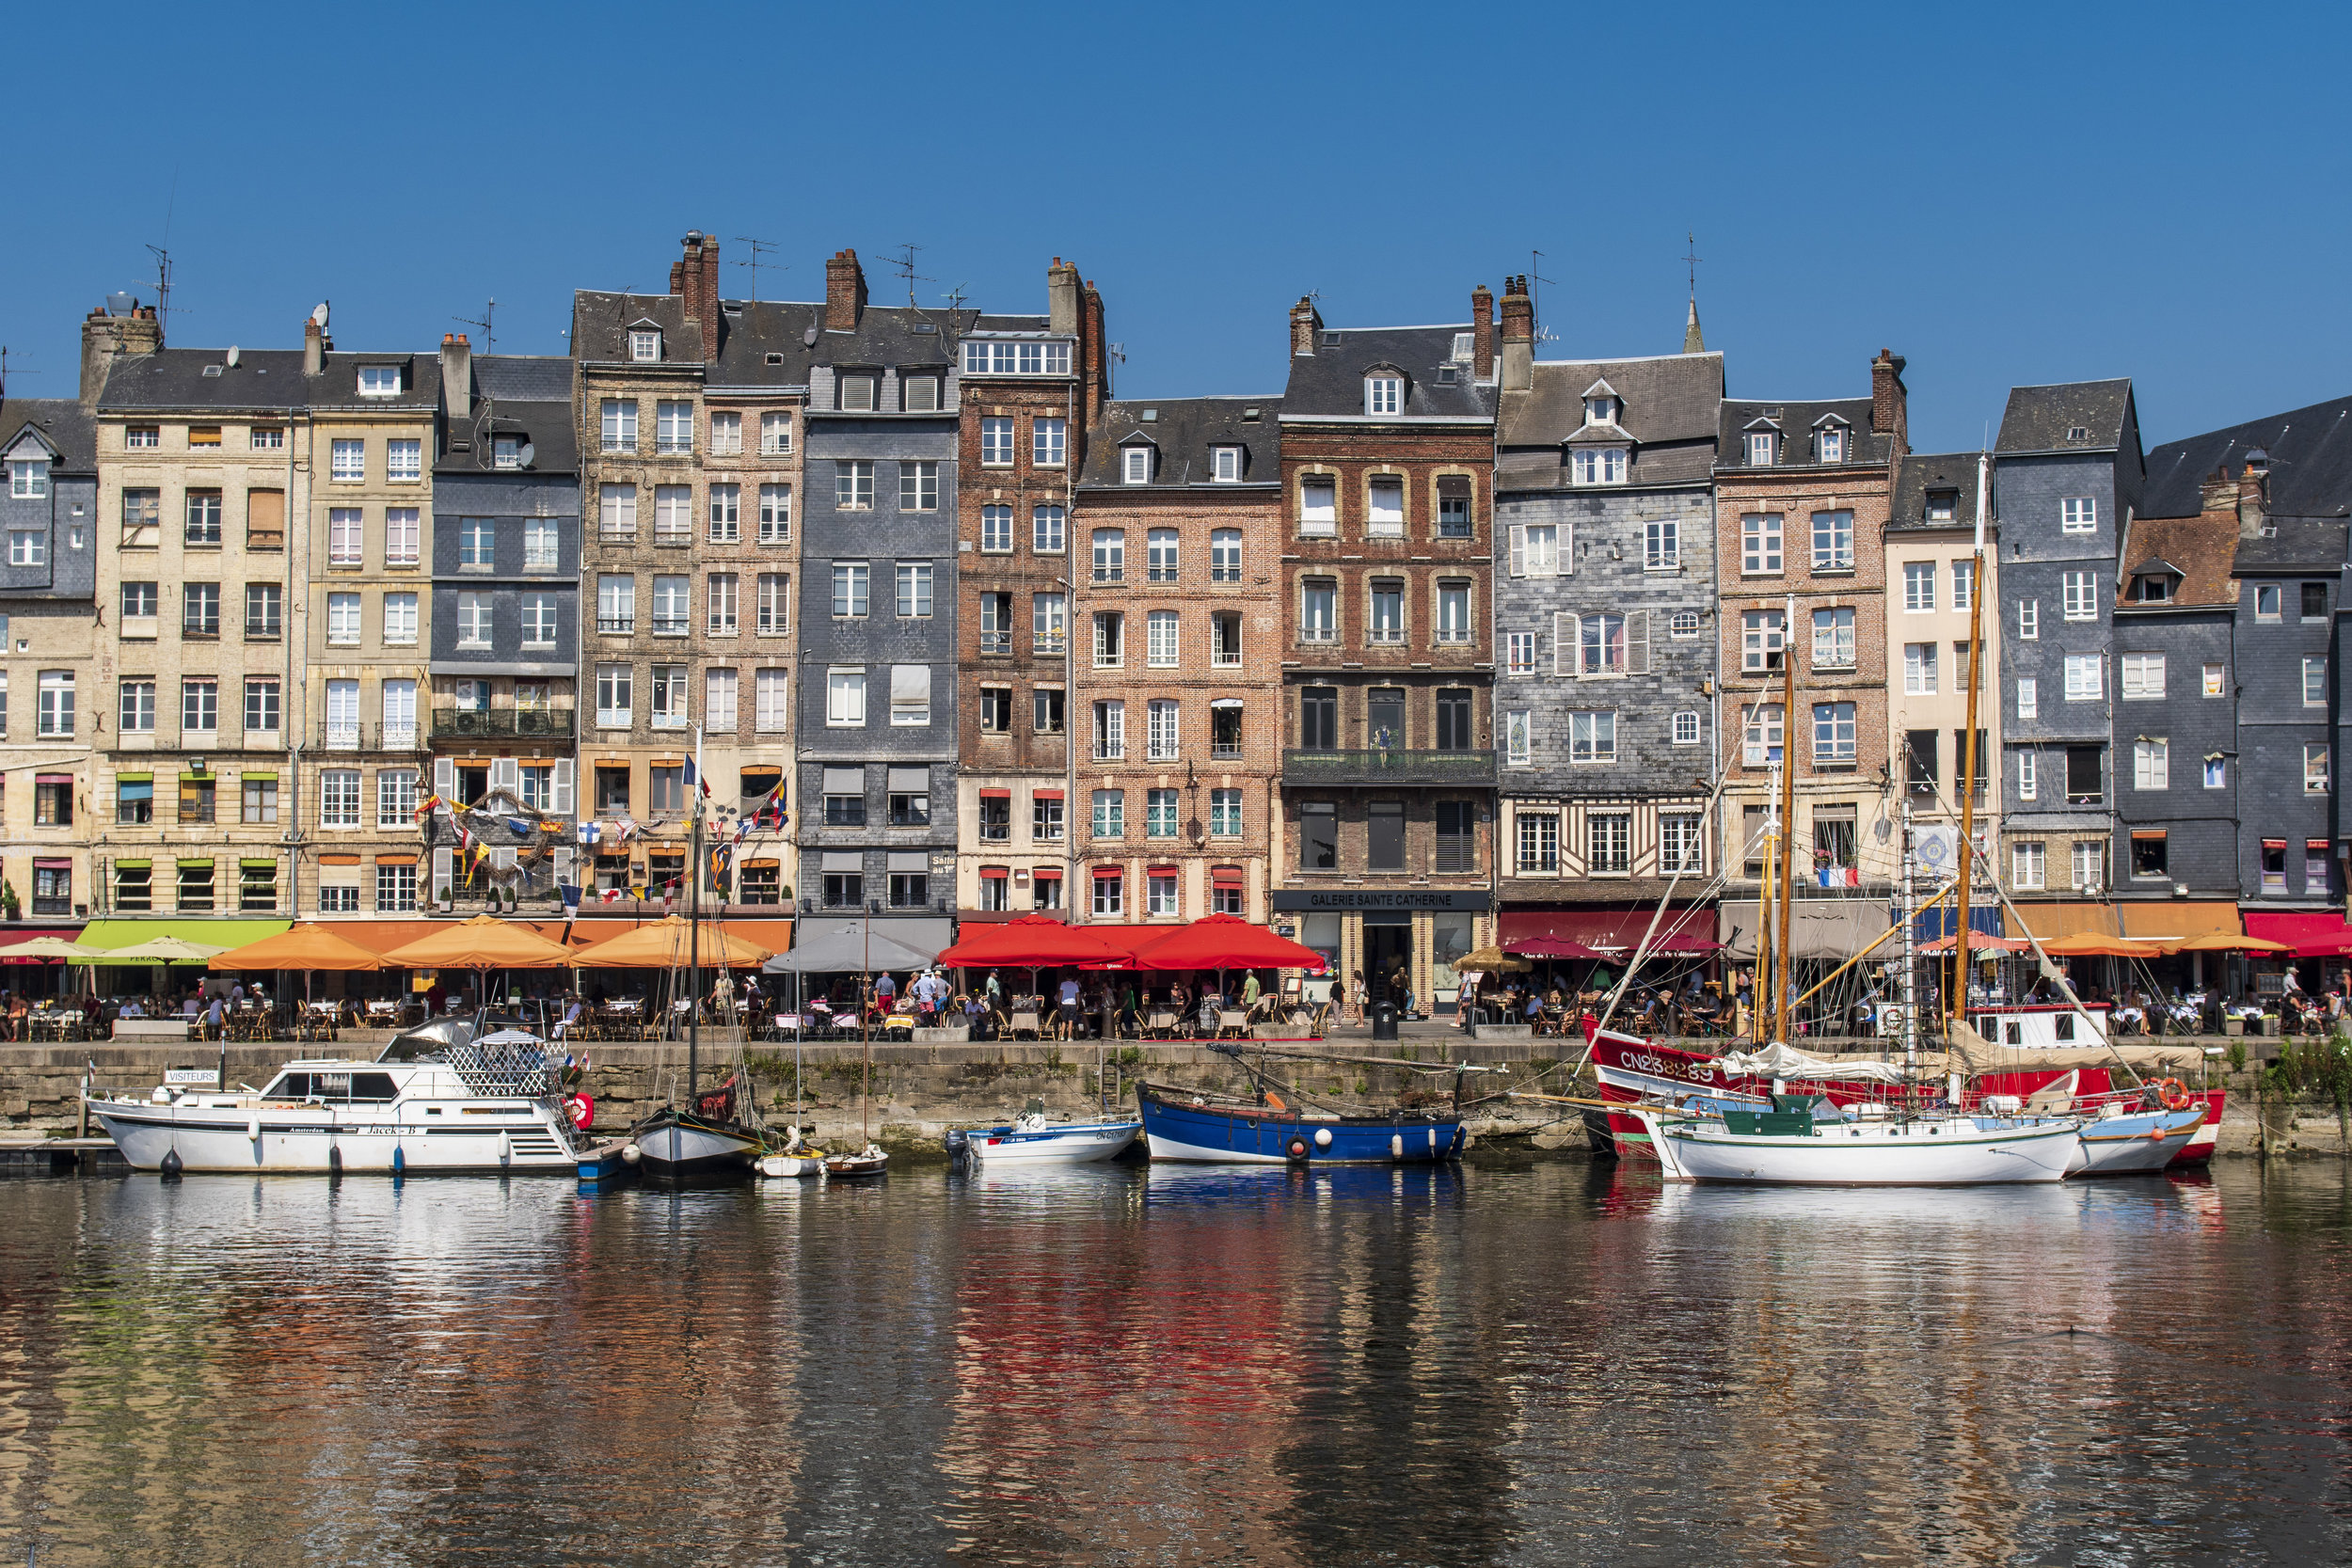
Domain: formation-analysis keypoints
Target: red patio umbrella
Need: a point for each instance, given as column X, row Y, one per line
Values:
column 1551, row 948
column 1225, row 941
column 1033, row 940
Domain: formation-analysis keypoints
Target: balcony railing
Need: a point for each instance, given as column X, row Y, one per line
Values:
column 1225, row 750
column 333, row 737
column 619, row 626
column 502, row 721
column 1377, row 769
column 995, row 643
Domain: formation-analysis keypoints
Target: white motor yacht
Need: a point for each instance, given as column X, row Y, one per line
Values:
column 436, row 1099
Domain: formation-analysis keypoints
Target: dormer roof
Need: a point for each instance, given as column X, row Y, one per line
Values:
column 1601, row 390
column 1833, row 419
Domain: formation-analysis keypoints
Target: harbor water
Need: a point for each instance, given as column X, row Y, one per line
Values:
column 1562, row 1362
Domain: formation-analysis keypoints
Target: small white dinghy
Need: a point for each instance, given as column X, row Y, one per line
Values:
column 1034, row 1141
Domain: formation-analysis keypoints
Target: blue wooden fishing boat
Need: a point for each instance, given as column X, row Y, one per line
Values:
column 1198, row 1125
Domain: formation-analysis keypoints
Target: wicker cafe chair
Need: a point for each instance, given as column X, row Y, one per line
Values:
column 1233, row 1023
column 1024, row 1022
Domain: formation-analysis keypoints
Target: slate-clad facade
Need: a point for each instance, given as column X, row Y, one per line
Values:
column 877, row 710
column 2067, row 477
column 1931, row 591
column 1604, row 631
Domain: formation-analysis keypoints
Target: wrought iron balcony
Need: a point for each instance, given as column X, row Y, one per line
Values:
column 332, row 736
column 1386, row 769
column 502, row 721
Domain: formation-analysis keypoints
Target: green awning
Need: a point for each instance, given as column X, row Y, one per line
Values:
column 254, row 865
column 129, row 932
column 261, row 778
column 135, row 865
column 134, row 778
column 197, row 860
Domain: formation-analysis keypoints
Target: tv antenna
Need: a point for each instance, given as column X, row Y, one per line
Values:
column 755, row 264
column 489, row 313
column 904, row 267
column 1692, row 259
column 163, row 286
column 1535, row 279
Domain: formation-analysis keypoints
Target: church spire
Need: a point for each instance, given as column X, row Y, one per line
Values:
column 1693, row 342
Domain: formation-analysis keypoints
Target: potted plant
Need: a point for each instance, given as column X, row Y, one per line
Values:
column 8, row 900
column 440, row 897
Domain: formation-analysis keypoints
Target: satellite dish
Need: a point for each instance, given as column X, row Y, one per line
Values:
column 527, row 454
column 808, row 338
column 231, row 356
column 319, row 315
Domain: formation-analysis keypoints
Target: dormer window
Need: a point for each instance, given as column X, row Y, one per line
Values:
column 506, row 451
column 1384, row 394
column 379, row 381
column 1600, row 410
column 856, row 394
column 1760, row 448
column 1135, row 464
column 1225, row 465
column 645, row 345
column 1830, row 445
column 2154, row 588
column 1465, row 347
column 1598, row 465
column 918, row 394
column 28, row 479
column 1943, row 505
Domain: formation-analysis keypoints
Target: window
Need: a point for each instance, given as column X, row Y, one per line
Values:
column 1163, row 720
column 1135, row 464
column 1047, row 625
column 616, row 510
column 1049, row 442
column 1519, row 653
column 1834, row 735
column 2029, row 776
column 1963, row 584
column 1225, row 464
column 1457, row 728
column 910, row 808
column 1159, row 813
column 726, row 434
column 2151, row 764
column 1160, row 557
column 477, row 542
column 195, row 883
column 1318, row 610
column 1319, row 717
column 139, row 601
column 1830, row 445
column 2267, row 596
column 137, row 709
column 771, row 700
column 1536, row 550
column 339, row 798
column 726, row 514
column 263, row 606
column 614, row 696
column 1387, row 517
column 996, row 529
column 1111, row 555
column 396, row 888
column 404, row 462
column 1761, row 746
column 538, row 619
column 1609, row 842
column 667, row 691
column 1454, row 611
column 721, row 610
column 396, row 797
column 473, row 619
column 1318, row 837
column 775, row 434
column 844, row 889
column 1045, row 702
column 2085, row 782
column 1160, row 639
column 910, row 693
column 1833, row 639
column 2081, row 595
column 1384, row 394
column 1678, row 847
column 200, row 704
column 28, row 547
column 2314, row 601
column 990, row 356
column 666, row 788
column 1048, row 531
column 541, row 551
column 1224, row 555
column 914, row 589
column 1662, row 545
column 616, row 604
column 2084, row 682
column 1538, row 843
column 2091, row 866
column 1761, row 643
column 134, row 803
column 1110, row 647
column 1683, row 626
column 2078, row 514
column 1761, row 447
column 996, row 442
column 2314, row 681
column 775, row 514
column 28, row 480
column 1760, row 542
column 1592, row 737
column 845, row 798
column 2314, row 769
column 644, row 344
column 2029, row 698
column 2025, row 868
column 674, row 427
column 348, row 462
column 1318, row 506
column 996, row 710
column 849, row 587
column 1454, row 506
column 1110, row 891
column 853, row 485
column 1224, row 814
column 199, row 612
column 2274, row 866
column 1110, row 813
column 1602, row 646
column 1598, row 465
column 2217, row 771
column 2028, row 619
column 1388, row 611
column 1686, row 728
column 1832, row 539
column 1518, row 737
column 2316, row 856
column 673, row 514
column 1110, row 730
column 845, row 697
column 918, row 486
column 1918, row 586
column 1045, row 819
column 1920, row 668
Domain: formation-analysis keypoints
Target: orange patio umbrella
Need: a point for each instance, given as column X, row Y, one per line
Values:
column 663, row 945
column 304, row 947
column 2228, row 941
column 483, row 942
column 2093, row 944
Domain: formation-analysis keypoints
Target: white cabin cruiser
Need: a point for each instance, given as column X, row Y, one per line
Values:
column 1031, row 1140
column 436, row 1099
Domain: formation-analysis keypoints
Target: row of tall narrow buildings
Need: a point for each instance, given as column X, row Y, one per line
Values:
column 1435, row 643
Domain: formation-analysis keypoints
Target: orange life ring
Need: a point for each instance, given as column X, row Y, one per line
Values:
column 2172, row 1094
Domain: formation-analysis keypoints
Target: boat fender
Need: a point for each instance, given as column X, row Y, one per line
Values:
column 253, row 1129
column 631, row 1154
column 173, row 1164
column 1396, row 1145
column 334, row 1159
column 1322, row 1137
column 399, row 1161
column 506, row 1149
column 2172, row 1094
column 1298, row 1149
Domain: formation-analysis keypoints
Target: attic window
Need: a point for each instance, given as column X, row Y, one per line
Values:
column 1448, row 375
column 1943, row 505
column 919, row 394
column 1465, row 346
column 1149, row 416
column 379, row 381
column 1384, row 394
column 1136, row 465
column 644, row 346
column 775, row 359
column 1333, row 339
column 1831, row 444
column 856, row 393
column 1760, row 449
column 1225, row 465
column 2078, row 432
column 1250, row 413
column 506, row 451
column 2155, row 588
column 212, row 369
column 922, row 327
column 1600, row 410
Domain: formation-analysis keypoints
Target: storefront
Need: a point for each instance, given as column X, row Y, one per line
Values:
column 1380, row 932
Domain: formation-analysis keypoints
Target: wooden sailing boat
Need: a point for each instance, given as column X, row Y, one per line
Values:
column 870, row 1159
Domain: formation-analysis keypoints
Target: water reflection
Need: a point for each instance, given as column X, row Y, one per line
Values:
column 1174, row 1365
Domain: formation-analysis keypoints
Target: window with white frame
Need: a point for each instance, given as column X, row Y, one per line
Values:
column 1049, row 531
column 1760, row 641
column 845, row 697
column 1918, row 586
column 1963, row 584
column 918, row 486
column 1608, row 843
column 1015, row 356
column 342, row 620
column 1662, row 545
column 616, row 510
column 541, row 545
column 849, row 580
column 1160, row 555
column 2084, row 682
column 339, row 798
column 666, row 691
column 775, row 434
column 1760, row 542
column 1833, row 637
column 1454, row 611
column 1521, row 652
column 1384, row 394
column 2078, row 514
column 775, row 514
column 1049, row 442
column 674, row 426
column 473, row 619
column 2091, row 866
column 2029, row 776
column 2217, row 771
column 2143, row 676
column 538, row 619
column 1163, row 727
column 726, row 434
column 1760, row 448
column 2029, row 698
column 1683, row 626
column 1834, row 732
column 1160, row 639
column 1920, row 668
column 2269, row 597
column 2314, row 681
column 853, row 485
column 1593, row 736
column 726, row 514
column 1760, row 746
column 614, row 695
column 644, row 344
column 1686, row 728
column 1518, row 737
column 2028, row 619
column 1597, row 466
column 672, row 604
column 2081, row 595
column 910, row 694
column 2025, row 866
column 1830, row 444
column 722, row 605
column 1386, row 519
column 1318, row 506
column 775, row 604
column 379, row 381
column 618, row 420
column 997, row 530
column 1048, row 630
column 616, row 602
column 396, row 797
column 348, row 462
column 1318, row 610
column 1678, row 843
column 404, row 462
column 28, row 478
column 1225, row 467
column 1833, row 541
column 2211, row 679
column 1535, row 549
column 345, row 535
column 914, row 590
column 1135, row 464
column 477, row 542
column 2314, row 769
column 399, row 620
column 771, row 700
column 1110, row 730
column 1538, row 843
column 2152, row 762
column 673, row 514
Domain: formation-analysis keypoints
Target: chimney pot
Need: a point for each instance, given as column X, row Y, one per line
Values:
column 1306, row 325
column 845, row 292
column 1519, row 336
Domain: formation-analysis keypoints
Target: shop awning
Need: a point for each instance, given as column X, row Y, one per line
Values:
column 2168, row 925
column 2310, row 935
column 1831, row 928
column 839, row 945
column 12, row 935
column 111, row 935
column 1610, row 925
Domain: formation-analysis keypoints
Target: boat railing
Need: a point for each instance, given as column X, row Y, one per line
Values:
column 497, row 1070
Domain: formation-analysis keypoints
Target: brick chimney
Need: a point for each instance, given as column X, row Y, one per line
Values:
column 1481, row 334
column 845, row 292
column 2253, row 496
column 1306, row 327
column 457, row 375
column 1098, row 369
column 122, row 326
column 1888, row 401
column 695, row 278
column 1518, row 335
column 1061, row 297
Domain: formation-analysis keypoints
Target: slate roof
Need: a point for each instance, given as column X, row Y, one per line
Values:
column 1330, row 381
column 523, row 377
column 62, row 422
column 511, row 398
column 2201, row 548
column 2040, row 419
column 2310, row 463
column 752, row 331
column 1921, row 473
column 601, row 321
column 1668, row 405
column 337, row 384
column 889, row 335
column 175, row 378
column 1184, row 430
column 1795, row 422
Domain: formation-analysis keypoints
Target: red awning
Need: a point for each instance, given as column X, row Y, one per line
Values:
column 1225, row 876
column 995, row 873
column 1618, row 926
column 996, row 794
column 10, row 936
column 1045, row 795
column 2312, row 936
column 1108, row 872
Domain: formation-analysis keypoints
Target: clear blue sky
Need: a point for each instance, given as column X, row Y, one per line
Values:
column 2006, row 195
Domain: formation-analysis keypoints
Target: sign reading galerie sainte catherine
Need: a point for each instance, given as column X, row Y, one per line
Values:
column 1339, row 899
